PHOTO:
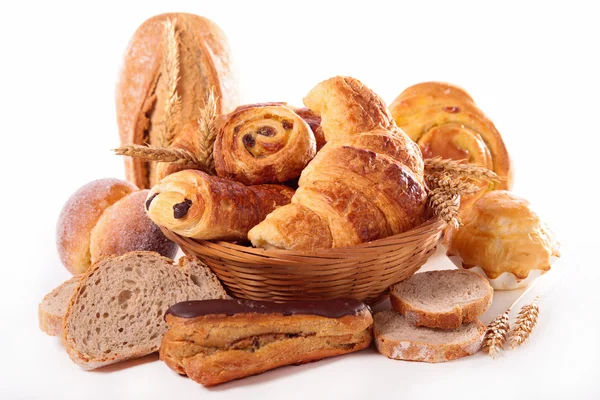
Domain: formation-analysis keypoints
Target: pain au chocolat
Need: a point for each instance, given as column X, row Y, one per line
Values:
column 216, row 341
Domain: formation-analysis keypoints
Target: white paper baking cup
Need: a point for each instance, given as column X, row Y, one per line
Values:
column 507, row 280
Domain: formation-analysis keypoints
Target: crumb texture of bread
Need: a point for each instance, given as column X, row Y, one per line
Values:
column 52, row 309
column 397, row 338
column 117, row 311
column 442, row 299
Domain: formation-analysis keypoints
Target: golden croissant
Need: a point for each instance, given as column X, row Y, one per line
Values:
column 366, row 183
column 194, row 204
column 445, row 121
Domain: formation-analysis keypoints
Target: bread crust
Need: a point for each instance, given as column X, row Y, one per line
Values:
column 461, row 313
column 88, row 362
column 410, row 350
column 125, row 227
column 204, row 62
column 51, row 323
column 80, row 214
column 214, row 349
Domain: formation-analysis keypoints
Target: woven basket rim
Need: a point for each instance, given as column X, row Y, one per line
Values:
column 359, row 250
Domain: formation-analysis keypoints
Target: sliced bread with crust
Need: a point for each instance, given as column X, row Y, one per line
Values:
column 52, row 309
column 117, row 310
column 399, row 339
column 442, row 299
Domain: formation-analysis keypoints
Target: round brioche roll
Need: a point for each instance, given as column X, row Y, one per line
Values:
column 106, row 217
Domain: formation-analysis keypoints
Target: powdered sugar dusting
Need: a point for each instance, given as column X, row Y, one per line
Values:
column 125, row 227
column 79, row 215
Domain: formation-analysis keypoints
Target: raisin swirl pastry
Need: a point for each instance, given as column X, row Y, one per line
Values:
column 366, row 183
column 445, row 121
column 194, row 204
column 263, row 143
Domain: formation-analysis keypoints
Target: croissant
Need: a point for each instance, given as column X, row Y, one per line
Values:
column 263, row 143
column 366, row 183
column 444, row 120
column 194, row 204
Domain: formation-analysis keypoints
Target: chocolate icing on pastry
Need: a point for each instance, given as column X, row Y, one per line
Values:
column 325, row 308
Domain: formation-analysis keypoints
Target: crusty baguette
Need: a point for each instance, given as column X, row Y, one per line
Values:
column 204, row 65
column 117, row 310
column 52, row 309
column 442, row 299
column 398, row 339
column 217, row 341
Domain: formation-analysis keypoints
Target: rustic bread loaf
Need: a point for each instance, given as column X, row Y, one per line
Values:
column 52, row 309
column 117, row 310
column 106, row 217
column 442, row 299
column 397, row 338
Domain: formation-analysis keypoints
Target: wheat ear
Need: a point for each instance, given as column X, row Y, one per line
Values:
column 455, row 168
column 207, row 130
column 162, row 154
column 496, row 334
column 170, row 72
column 526, row 321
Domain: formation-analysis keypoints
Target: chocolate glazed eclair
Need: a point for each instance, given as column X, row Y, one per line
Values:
column 265, row 143
column 216, row 341
column 194, row 204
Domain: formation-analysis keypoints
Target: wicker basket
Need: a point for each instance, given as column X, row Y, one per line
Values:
column 364, row 272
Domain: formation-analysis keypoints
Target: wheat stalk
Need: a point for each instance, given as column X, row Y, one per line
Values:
column 496, row 334
column 170, row 73
column 172, row 155
column 455, row 168
column 526, row 321
column 445, row 205
column 207, row 129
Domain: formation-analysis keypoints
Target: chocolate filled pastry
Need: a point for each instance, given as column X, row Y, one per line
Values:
column 217, row 341
column 365, row 184
column 445, row 121
column 263, row 143
column 194, row 204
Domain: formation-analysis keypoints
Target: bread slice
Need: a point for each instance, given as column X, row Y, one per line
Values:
column 52, row 309
column 397, row 338
column 442, row 299
column 117, row 310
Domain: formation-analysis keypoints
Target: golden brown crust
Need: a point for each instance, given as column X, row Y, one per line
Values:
column 204, row 63
column 411, row 350
column 125, row 227
column 263, row 144
column 214, row 349
column 347, row 107
column 361, row 186
column 194, row 204
column 461, row 314
column 446, row 122
column 78, row 217
column 501, row 233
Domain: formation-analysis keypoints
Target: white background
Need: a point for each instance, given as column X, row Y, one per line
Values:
column 533, row 68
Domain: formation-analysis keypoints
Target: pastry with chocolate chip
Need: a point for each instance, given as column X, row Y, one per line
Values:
column 194, row 204
column 266, row 143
